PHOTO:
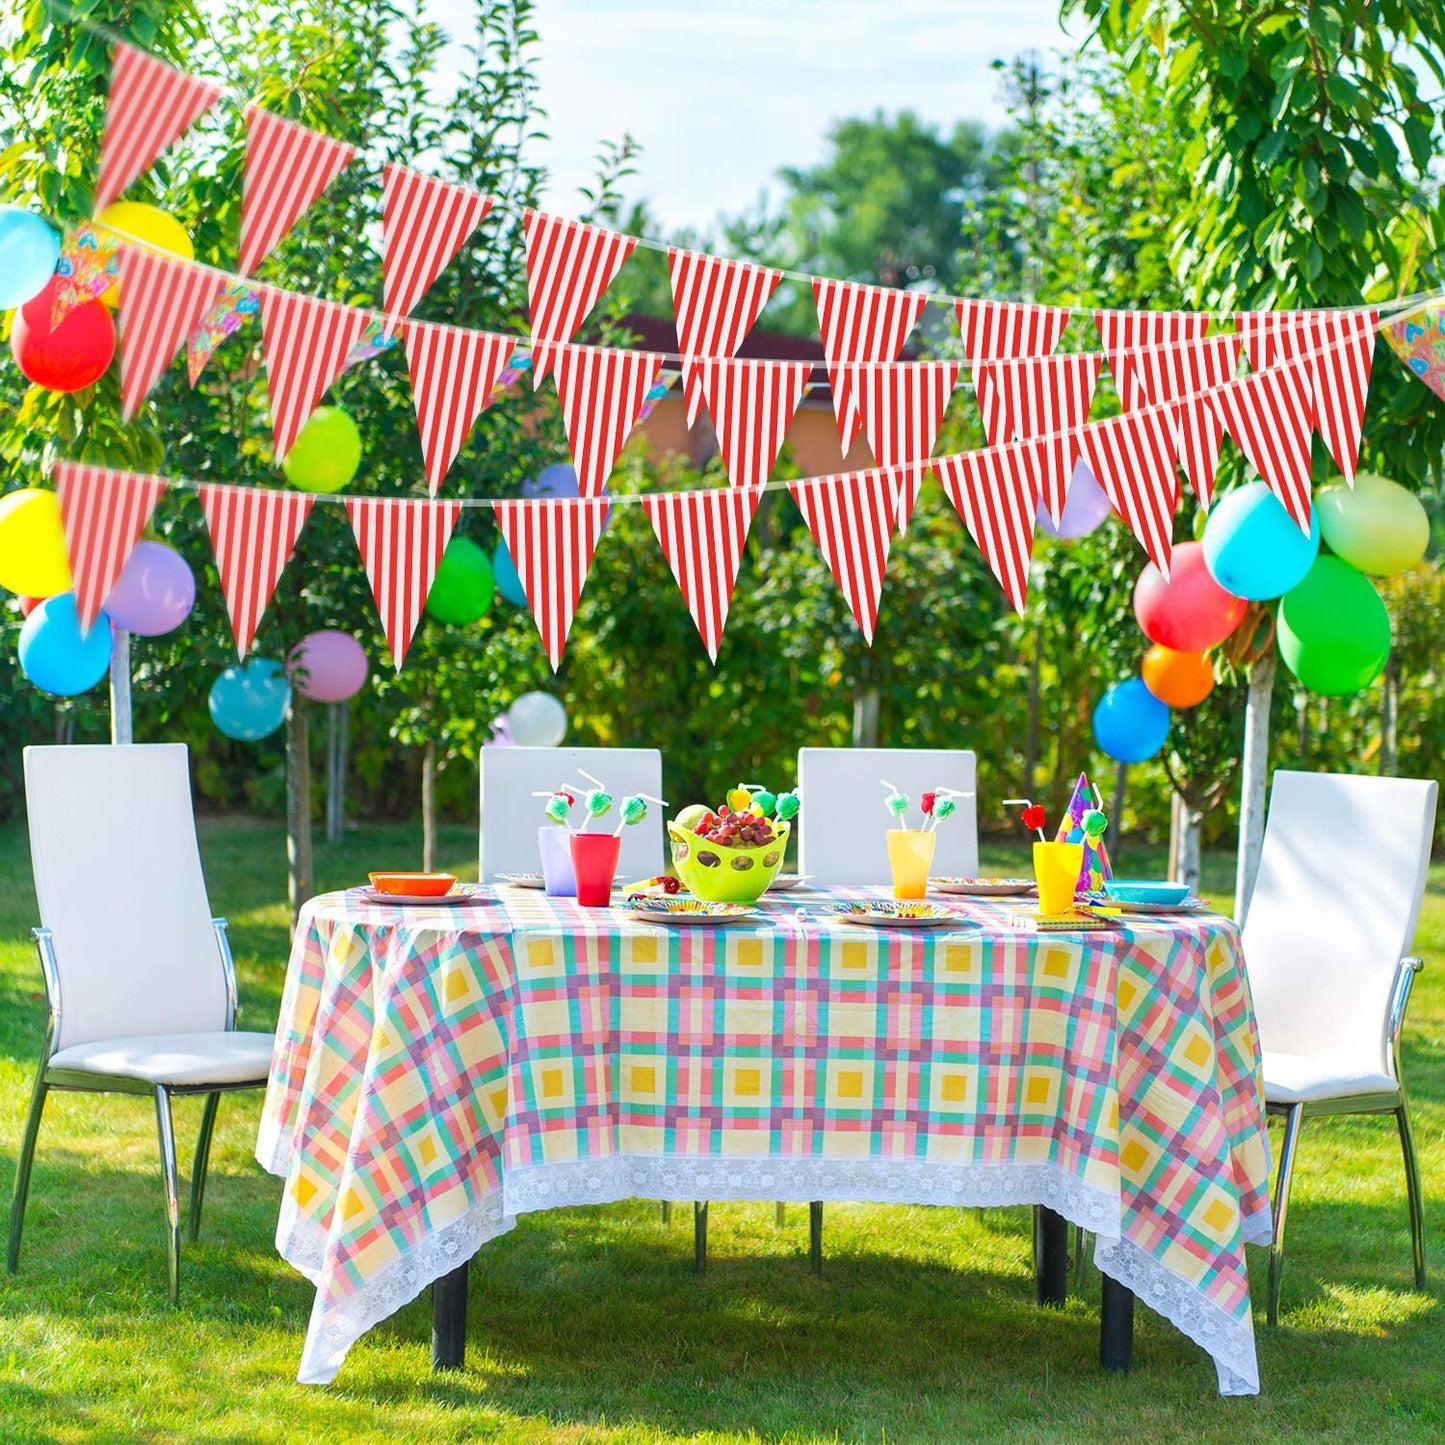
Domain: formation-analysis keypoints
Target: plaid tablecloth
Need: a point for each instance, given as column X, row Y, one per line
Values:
column 439, row 1071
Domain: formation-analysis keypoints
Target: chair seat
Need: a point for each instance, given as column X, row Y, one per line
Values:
column 1305, row 1079
column 177, row 1059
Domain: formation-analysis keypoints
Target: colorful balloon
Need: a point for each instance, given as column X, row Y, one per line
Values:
column 326, row 453
column 1376, row 526
column 69, row 357
column 504, row 570
column 27, row 605
column 33, row 559
column 1191, row 611
column 463, row 588
column 135, row 223
column 1333, row 629
column 249, row 703
column 155, row 591
column 1177, row 679
column 54, row 655
column 1253, row 547
column 1086, row 507
column 328, row 666
column 537, row 720
column 1130, row 723
column 558, row 480
column 29, row 250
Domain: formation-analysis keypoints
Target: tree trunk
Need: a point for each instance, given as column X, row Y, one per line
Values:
column 1254, row 780
column 1176, row 804
column 336, row 719
column 1191, row 829
column 1389, row 713
column 298, row 809
column 865, row 718
column 120, row 711
column 1116, row 813
column 1031, row 739
column 429, row 807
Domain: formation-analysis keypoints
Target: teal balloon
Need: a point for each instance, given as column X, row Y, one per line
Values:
column 461, row 592
column 29, row 251
column 1253, row 547
column 54, row 655
column 249, row 703
column 1130, row 723
column 1333, row 629
column 504, row 570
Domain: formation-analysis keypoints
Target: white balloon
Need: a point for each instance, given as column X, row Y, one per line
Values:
column 537, row 720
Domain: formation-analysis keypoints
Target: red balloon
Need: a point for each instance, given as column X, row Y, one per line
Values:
column 1191, row 611
column 27, row 605
column 70, row 357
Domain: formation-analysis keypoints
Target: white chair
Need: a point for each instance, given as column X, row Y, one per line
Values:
column 842, row 825
column 138, row 974
column 510, row 815
column 1326, row 945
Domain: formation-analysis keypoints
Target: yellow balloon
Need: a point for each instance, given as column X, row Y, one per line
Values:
column 136, row 221
column 32, row 544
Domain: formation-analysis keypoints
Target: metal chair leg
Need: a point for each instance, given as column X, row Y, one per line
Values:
column 165, row 1130
column 1412, row 1189
column 22, row 1168
column 699, row 1235
column 815, row 1236
column 202, row 1161
column 1294, row 1118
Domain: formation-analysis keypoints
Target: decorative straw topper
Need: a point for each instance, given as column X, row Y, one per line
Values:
column 559, row 805
column 787, row 807
column 1033, row 815
column 634, row 809
column 936, row 804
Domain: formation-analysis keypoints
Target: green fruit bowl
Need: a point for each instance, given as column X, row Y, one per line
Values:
column 719, row 874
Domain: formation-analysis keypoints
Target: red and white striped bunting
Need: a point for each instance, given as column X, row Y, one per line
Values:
column 552, row 542
column 307, row 344
column 569, row 265
column 401, row 544
column 150, row 105
column 253, row 531
column 716, row 302
column 991, row 329
column 424, row 223
column 702, row 535
column 287, row 168
column 996, row 491
column 602, row 391
column 1128, row 335
column 1132, row 456
column 103, row 512
column 752, row 404
column 453, row 371
column 861, row 323
column 163, row 298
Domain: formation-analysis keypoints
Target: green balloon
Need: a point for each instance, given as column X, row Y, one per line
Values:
column 462, row 591
column 1334, row 631
column 1376, row 526
column 326, row 453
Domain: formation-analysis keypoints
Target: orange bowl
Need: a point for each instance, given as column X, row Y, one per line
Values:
column 417, row 885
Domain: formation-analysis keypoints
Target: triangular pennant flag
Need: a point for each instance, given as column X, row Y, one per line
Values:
column 150, row 105
column 1125, row 334
column 602, row 391
column 424, row 223
column 1269, row 336
column 991, row 329
column 861, row 323
column 307, row 345
column 164, row 297
column 569, row 265
column 103, row 512
column 996, row 492
column 752, row 404
column 453, row 372
column 287, row 168
column 1132, row 455
column 401, row 544
column 254, row 532
column 236, row 303
column 851, row 516
column 1343, row 353
column 551, row 542
column 702, row 535
column 715, row 302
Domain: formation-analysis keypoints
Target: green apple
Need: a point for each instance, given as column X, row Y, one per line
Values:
column 691, row 816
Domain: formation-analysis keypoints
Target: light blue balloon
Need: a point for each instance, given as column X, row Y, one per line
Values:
column 249, row 703
column 1130, row 723
column 53, row 654
column 504, row 571
column 29, row 250
column 558, row 480
column 1254, row 548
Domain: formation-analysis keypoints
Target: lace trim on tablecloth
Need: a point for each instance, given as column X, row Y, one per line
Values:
column 274, row 1149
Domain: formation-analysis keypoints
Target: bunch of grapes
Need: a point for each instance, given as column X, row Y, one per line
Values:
column 736, row 829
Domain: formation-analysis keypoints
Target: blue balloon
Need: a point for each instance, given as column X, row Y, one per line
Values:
column 504, row 571
column 249, row 703
column 29, row 250
column 558, row 480
column 1254, row 548
column 53, row 654
column 1130, row 723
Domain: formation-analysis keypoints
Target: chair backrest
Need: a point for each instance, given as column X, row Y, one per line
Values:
column 118, row 880
column 842, row 829
column 1334, row 909
column 511, row 816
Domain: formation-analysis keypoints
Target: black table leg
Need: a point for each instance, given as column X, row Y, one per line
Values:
column 449, row 1320
column 1052, row 1254
column 1116, row 1327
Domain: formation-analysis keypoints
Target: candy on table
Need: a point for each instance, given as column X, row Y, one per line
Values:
column 787, row 807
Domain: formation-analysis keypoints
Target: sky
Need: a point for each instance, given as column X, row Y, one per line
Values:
column 722, row 94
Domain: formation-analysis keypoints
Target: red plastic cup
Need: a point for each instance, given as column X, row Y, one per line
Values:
column 594, row 861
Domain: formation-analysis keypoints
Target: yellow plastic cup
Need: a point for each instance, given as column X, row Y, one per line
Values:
column 910, row 856
column 1056, row 870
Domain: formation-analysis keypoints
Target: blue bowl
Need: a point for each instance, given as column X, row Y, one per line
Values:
column 1143, row 890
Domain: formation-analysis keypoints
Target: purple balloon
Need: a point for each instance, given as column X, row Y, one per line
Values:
column 155, row 591
column 1087, row 506
column 328, row 666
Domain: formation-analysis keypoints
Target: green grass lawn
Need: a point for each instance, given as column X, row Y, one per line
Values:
column 588, row 1325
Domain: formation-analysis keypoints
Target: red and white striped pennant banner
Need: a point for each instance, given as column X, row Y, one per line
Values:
column 552, row 542
column 401, row 544
column 253, row 531
column 569, row 265
column 702, row 534
column 287, row 168
column 1132, row 456
column 991, row 329
column 716, row 302
column 150, row 105
column 1127, row 336
column 307, row 344
column 163, row 298
column 861, row 323
column 752, row 404
column 453, row 373
column 602, row 391
column 103, row 512
column 424, row 223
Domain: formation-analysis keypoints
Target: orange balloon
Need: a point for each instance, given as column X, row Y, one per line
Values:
column 1177, row 679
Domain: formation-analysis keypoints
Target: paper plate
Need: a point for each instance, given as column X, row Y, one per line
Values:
column 786, row 881
column 1103, row 902
column 984, row 887
column 896, row 913
column 522, row 880
column 461, row 893
column 678, row 909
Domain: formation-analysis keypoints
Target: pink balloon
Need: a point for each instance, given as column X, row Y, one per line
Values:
column 328, row 666
column 155, row 591
column 1086, row 507
column 1191, row 611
